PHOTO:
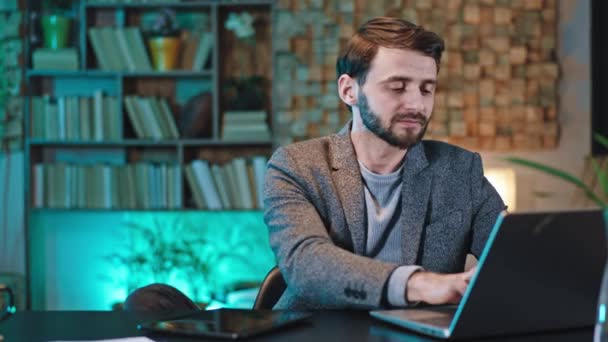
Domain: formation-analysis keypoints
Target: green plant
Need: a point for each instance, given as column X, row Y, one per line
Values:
column 174, row 250
column 244, row 93
column 601, row 174
column 165, row 24
column 56, row 6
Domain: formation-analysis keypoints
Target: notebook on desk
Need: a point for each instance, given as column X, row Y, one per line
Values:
column 539, row 271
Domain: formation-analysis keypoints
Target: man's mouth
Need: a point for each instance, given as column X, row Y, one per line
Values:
column 409, row 122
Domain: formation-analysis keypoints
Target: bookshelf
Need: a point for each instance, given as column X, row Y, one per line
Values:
column 121, row 137
column 58, row 99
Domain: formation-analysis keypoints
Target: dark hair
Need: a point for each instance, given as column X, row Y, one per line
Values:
column 390, row 33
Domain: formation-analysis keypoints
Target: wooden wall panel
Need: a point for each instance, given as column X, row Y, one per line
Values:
column 497, row 85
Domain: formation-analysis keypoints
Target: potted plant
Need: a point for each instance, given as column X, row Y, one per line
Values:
column 55, row 23
column 164, row 40
column 243, row 92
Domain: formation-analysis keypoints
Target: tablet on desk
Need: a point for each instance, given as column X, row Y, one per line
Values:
column 226, row 323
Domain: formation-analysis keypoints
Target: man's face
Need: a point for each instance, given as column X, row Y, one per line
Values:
column 396, row 100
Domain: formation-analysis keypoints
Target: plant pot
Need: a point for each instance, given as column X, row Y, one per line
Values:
column 55, row 31
column 165, row 52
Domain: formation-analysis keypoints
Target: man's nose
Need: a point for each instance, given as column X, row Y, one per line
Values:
column 412, row 101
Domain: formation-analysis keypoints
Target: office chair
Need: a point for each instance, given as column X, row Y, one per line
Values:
column 271, row 290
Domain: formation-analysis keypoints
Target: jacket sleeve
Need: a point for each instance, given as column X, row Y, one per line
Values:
column 314, row 268
column 487, row 205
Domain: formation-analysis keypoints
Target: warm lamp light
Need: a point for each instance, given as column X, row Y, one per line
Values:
column 503, row 180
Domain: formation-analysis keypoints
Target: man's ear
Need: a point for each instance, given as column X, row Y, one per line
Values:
column 348, row 89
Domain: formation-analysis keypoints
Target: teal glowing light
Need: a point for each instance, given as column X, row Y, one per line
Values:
column 204, row 254
column 90, row 260
column 601, row 315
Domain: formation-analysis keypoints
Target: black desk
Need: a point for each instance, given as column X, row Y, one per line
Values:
column 334, row 326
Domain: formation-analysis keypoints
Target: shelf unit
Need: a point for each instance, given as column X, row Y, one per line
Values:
column 88, row 78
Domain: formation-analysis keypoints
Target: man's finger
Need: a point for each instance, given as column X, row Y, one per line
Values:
column 469, row 274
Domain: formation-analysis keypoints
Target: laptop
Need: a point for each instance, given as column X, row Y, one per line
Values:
column 539, row 271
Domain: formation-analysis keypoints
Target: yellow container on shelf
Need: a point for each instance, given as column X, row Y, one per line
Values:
column 165, row 52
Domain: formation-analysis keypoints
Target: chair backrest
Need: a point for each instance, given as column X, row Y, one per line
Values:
column 271, row 290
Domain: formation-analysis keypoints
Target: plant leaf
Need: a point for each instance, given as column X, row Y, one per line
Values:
column 601, row 139
column 559, row 174
column 601, row 176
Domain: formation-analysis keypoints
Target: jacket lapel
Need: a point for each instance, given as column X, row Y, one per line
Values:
column 347, row 178
column 415, row 197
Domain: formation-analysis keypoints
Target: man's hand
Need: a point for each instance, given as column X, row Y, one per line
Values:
column 435, row 288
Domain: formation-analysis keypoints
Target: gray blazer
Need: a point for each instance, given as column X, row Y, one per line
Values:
column 315, row 213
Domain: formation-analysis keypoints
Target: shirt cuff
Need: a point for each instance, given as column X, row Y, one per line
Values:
column 397, row 285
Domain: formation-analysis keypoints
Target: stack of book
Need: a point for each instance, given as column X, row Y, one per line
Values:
column 55, row 59
column 104, row 186
column 245, row 126
column 238, row 184
column 76, row 118
column 119, row 48
column 151, row 118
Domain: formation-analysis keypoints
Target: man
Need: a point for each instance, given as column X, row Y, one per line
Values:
column 373, row 216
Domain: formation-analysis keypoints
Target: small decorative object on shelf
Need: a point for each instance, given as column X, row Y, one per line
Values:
column 164, row 40
column 55, row 23
column 55, row 53
column 195, row 120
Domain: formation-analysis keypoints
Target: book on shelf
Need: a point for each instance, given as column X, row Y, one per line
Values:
column 202, row 173
column 190, row 40
column 218, row 180
column 55, row 59
column 242, row 182
column 124, row 49
column 99, row 48
column 106, row 186
column 259, row 173
column 203, row 51
column 238, row 184
column 72, row 118
column 151, row 118
column 119, row 48
column 197, row 194
column 140, row 54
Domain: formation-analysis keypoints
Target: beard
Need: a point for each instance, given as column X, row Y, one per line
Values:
column 373, row 123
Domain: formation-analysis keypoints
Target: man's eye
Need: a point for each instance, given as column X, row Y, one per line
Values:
column 426, row 91
column 396, row 86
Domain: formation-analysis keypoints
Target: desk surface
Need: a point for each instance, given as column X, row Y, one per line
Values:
column 335, row 326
